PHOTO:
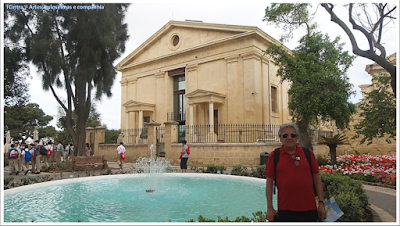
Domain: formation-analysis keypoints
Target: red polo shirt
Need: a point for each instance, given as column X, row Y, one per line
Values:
column 294, row 183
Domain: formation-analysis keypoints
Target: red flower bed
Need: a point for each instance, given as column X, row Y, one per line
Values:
column 373, row 168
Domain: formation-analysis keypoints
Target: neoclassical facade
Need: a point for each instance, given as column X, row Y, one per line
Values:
column 198, row 73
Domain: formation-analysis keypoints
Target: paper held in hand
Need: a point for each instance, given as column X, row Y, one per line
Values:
column 333, row 212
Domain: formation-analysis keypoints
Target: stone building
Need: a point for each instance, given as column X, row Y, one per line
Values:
column 199, row 73
column 379, row 145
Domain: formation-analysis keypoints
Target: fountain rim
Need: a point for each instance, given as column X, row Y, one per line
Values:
column 28, row 187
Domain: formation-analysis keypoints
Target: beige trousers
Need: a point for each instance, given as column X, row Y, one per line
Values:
column 21, row 163
column 13, row 163
column 120, row 161
column 57, row 156
column 36, row 164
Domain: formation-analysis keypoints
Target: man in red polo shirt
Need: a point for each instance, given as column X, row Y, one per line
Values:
column 295, row 181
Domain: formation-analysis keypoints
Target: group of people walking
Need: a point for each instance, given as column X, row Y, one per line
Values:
column 22, row 155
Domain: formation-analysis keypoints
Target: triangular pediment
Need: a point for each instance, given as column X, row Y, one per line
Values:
column 204, row 96
column 138, row 106
column 178, row 36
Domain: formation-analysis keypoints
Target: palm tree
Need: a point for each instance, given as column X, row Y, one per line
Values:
column 332, row 143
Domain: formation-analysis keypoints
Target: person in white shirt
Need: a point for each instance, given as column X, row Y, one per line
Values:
column 57, row 153
column 120, row 150
column 66, row 153
column 21, row 161
column 13, row 156
column 47, row 158
column 71, row 150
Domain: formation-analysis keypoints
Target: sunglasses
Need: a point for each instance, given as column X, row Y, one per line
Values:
column 293, row 135
column 296, row 162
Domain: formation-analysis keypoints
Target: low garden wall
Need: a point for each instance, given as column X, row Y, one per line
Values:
column 226, row 154
column 133, row 151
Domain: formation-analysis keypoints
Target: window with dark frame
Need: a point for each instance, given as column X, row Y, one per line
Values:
column 179, row 99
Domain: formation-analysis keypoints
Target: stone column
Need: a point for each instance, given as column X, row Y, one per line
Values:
column 35, row 135
column 134, row 132
column 233, row 97
column 151, row 135
column 211, row 116
column 191, row 137
column 168, row 140
column 8, row 137
column 190, row 115
column 89, row 130
column 140, row 119
column 211, row 137
column 99, row 138
column 127, row 120
column 140, row 126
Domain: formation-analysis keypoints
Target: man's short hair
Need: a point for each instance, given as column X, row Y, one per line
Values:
column 121, row 143
column 288, row 125
column 184, row 142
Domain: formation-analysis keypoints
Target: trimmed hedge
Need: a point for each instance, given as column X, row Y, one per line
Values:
column 349, row 195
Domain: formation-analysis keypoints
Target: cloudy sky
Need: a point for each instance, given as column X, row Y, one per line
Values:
column 144, row 18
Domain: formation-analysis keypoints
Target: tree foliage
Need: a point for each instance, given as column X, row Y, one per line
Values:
column 16, row 69
column 288, row 17
column 21, row 120
column 94, row 120
column 378, row 110
column 320, row 89
column 111, row 136
column 372, row 27
column 73, row 50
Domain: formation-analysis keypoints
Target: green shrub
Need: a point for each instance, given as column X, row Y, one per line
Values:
column 221, row 169
column 259, row 216
column 211, row 168
column 259, row 172
column 7, row 180
column 239, row 170
column 349, row 195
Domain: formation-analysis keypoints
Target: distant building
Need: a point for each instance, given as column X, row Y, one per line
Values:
column 198, row 73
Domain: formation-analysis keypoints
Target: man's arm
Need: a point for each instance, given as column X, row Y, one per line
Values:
column 320, row 193
column 184, row 150
column 268, row 192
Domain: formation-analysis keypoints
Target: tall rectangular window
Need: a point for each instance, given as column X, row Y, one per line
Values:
column 179, row 99
column 274, row 99
column 289, row 100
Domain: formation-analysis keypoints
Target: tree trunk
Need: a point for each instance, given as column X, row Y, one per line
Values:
column 304, row 138
column 332, row 151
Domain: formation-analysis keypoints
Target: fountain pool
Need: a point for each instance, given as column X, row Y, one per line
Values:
column 122, row 198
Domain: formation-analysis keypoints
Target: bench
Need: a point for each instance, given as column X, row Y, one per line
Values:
column 91, row 160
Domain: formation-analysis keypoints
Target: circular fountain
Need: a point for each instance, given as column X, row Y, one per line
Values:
column 149, row 196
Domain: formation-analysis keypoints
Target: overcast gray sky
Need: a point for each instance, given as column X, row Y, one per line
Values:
column 144, row 18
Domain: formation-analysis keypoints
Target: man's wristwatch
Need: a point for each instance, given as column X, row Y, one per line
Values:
column 320, row 201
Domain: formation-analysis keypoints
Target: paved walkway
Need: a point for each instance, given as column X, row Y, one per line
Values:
column 382, row 200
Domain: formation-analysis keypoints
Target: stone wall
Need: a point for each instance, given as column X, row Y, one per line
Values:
column 203, row 154
column 133, row 151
